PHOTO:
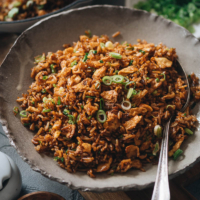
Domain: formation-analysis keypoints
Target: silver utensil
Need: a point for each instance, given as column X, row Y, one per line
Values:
column 161, row 187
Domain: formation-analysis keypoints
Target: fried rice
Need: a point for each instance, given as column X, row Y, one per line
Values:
column 11, row 10
column 99, row 106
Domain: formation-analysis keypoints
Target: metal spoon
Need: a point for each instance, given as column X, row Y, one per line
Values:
column 161, row 187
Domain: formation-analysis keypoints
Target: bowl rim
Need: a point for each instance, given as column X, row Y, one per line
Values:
column 5, row 127
column 76, row 2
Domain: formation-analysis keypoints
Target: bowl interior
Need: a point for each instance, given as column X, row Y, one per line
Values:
column 63, row 28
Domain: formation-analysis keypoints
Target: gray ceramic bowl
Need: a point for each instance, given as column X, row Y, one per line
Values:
column 21, row 25
column 49, row 35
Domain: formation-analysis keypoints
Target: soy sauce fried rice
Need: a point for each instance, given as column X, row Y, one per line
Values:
column 100, row 106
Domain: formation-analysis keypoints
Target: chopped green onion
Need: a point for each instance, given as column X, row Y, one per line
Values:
column 107, row 80
column 189, row 76
column 56, row 158
column 115, row 55
column 85, row 57
column 101, row 104
column 54, row 85
column 82, row 107
column 101, row 61
column 101, row 116
column 129, row 84
column 94, row 52
column 177, row 154
column 185, row 114
column 40, row 7
column 188, row 131
column 92, row 68
column 23, row 113
column 46, row 110
column 133, row 105
column 66, row 151
column 59, row 101
column 53, row 70
column 156, row 149
column 102, row 45
column 16, row 4
column 90, row 97
column 147, row 78
column 29, row 3
column 126, row 105
column 66, row 112
column 73, row 149
column 89, row 117
column 40, row 58
column 62, row 159
column 134, row 92
column 13, row 12
column 97, row 85
column 169, row 106
column 40, row 142
column 118, row 78
column 130, row 92
column 44, row 77
column 88, row 33
column 131, row 62
column 158, row 131
column 116, row 71
column 27, row 124
column 72, row 119
column 155, row 92
column 157, row 80
column 142, row 51
column 73, row 63
column 15, row 109
column 33, row 102
column 78, row 117
column 43, row 91
column 163, row 75
column 130, row 48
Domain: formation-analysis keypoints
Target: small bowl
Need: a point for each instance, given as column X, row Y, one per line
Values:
column 41, row 196
column 19, row 26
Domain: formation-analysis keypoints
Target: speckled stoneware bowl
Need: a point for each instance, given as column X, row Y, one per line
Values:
column 49, row 35
column 20, row 25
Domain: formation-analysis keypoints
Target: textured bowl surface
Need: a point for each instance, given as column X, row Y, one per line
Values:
column 49, row 35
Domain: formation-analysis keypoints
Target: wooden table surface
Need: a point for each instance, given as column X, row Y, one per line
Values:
column 177, row 185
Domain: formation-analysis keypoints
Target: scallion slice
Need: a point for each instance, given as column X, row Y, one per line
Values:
column 118, row 78
column 46, row 110
column 101, row 61
column 131, row 62
column 188, row 131
column 15, row 109
column 177, row 154
column 164, row 76
column 101, row 104
column 13, row 12
column 85, row 57
column 102, row 45
column 107, row 80
column 115, row 55
column 40, row 58
column 73, row 63
column 126, row 105
column 59, row 101
column 23, row 113
column 66, row 112
column 53, row 70
column 156, row 149
column 135, row 92
column 141, row 51
column 101, row 116
column 91, row 97
column 44, row 77
column 97, row 85
column 129, row 84
column 130, row 92
column 157, row 80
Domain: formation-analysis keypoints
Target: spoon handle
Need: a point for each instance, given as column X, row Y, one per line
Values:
column 161, row 187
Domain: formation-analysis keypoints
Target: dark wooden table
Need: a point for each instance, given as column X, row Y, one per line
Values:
column 177, row 185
